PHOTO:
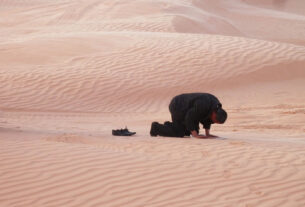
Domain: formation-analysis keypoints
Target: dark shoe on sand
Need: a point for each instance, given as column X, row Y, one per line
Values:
column 122, row 132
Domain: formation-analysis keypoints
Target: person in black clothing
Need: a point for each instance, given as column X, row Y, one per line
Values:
column 187, row 111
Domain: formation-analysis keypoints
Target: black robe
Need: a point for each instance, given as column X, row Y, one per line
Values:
column 190, row 109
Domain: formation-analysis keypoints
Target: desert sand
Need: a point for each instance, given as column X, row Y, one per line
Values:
column 73, row 70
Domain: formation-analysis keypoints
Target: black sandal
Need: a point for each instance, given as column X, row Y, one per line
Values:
column 122, row 132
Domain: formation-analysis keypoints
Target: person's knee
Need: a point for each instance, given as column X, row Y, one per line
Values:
column 168, row 130
column 180, row 132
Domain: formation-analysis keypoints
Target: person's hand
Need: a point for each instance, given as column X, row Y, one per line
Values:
column 206, row 137
column 199, row 136
column 212, row 136
column 195, row 134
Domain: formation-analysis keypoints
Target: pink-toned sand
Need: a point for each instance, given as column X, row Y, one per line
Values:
column 70, row 71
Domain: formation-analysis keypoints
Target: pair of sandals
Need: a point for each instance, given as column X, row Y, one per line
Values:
column 122, row 132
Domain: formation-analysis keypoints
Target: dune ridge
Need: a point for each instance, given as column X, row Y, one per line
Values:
column 81, row 83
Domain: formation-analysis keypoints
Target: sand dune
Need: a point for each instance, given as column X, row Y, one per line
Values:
column 150, row 172
column 143, row 67
column 70, row 71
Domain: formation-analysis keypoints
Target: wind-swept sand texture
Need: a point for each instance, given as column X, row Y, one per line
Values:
column 70, row 71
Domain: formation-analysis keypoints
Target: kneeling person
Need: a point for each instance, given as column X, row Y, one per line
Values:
column 187, row 111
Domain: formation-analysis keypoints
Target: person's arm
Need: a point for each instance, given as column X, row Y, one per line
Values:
column 207, row 126
column 190, row 120
column 199, row 109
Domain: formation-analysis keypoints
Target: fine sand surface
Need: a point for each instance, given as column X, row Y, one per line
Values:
column 72, row 70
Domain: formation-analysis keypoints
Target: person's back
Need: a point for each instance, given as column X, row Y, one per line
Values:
column 185, row 101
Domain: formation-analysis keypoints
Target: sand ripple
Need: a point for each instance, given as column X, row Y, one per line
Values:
column 70, row 71
column 151, row 172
